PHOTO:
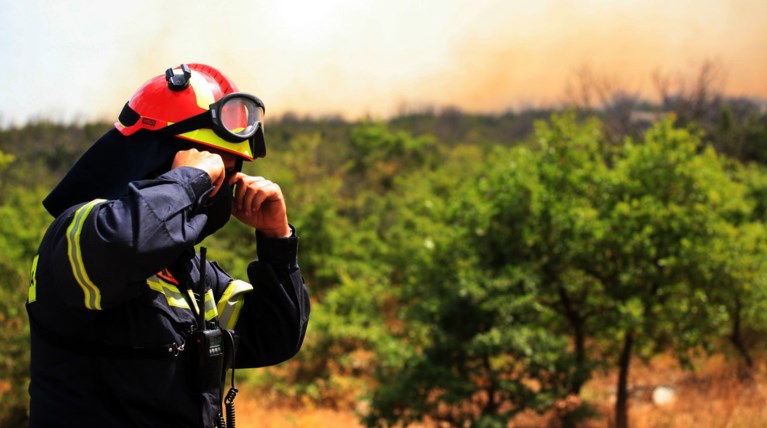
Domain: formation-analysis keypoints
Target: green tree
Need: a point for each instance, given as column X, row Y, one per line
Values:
column 379, row 154
column 665, row 208
column 542, row 218
column 740, row 263
column 474, row 346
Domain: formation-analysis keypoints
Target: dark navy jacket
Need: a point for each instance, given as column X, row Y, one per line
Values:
column 100, row 287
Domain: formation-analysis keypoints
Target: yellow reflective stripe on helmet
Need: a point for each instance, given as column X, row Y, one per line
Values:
column 91, row 292
column 170, row 291
column 33, row 281
column 231, row 302
column 203, row 90
column 209, row 137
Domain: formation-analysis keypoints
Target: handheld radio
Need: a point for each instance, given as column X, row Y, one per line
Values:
column 206, row 345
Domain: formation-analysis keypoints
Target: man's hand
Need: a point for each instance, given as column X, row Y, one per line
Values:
column 259, row 203
column 211, row 163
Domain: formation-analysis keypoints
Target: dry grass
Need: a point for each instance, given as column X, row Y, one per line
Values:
column 717, row 395
column 252, row 413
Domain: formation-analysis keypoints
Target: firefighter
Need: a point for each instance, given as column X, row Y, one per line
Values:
column 131, row 326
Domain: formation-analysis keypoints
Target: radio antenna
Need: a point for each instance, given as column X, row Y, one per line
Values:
column 201, row 291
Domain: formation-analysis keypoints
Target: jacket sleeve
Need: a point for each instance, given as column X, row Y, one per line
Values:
column 275, row 314
column 102, row 248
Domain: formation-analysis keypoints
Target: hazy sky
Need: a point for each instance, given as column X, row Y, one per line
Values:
column 82, row 59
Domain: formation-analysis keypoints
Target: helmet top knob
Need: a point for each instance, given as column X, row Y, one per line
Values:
column 178, row 82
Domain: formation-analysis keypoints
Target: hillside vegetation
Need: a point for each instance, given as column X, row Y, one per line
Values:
column 466, row 269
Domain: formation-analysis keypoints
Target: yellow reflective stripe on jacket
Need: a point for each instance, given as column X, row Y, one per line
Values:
column 210, row 308
column 33, row 281
column 91, row 292
column 211, row 312
column 192, row 299
column 170, row 291
column 176, row 297
column 227, row 310
column 231, row 302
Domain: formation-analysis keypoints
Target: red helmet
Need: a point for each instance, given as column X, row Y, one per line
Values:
column 198, row 103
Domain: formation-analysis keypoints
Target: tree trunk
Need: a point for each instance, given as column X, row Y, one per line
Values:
column 568, row 419
column 621, row 402
column 491, row 406
column 736, row 338
column 579, row 338
column 580, row 359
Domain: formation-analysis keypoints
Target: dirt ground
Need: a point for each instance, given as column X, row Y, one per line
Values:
column 717, row 394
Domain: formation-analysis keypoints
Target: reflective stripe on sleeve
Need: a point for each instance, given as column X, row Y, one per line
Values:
column 231, row 302
column 33, row 281
column 91, row 292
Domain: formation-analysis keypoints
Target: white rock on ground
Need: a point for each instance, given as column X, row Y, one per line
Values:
column 663, row 395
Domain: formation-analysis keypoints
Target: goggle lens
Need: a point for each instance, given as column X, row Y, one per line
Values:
column 241, row 116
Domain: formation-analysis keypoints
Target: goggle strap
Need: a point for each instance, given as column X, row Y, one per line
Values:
column 257, row 143
column 128, row 116
column 188, row 125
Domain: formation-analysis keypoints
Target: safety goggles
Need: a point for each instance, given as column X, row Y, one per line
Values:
column 235, row 117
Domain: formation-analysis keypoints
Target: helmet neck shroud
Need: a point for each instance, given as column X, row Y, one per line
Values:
column 110, row 164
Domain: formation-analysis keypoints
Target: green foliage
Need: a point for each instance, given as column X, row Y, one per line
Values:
column 588, row 240
column 22, row 223
column 379, row 155
column 479, row 352
column 46, row 150
column 479, row 348
column 671, row 202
